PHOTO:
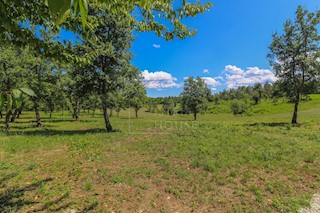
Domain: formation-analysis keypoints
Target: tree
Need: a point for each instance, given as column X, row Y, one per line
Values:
column 257, row 93
column 78, row 82
column 195, row 95
column 13, row 74
column 294, row 56
column 136, row 93
column 111, row 39
column 161, row 16
column 152, row 104
column 169, row 106
column 119, row 100
column 238, row 107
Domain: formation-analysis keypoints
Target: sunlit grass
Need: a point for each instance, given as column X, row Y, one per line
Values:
column 161, row 163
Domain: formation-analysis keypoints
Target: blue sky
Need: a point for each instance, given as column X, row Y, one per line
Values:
column 229, row 49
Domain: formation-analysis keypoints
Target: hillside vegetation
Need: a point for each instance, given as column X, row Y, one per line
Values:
column 256, row 162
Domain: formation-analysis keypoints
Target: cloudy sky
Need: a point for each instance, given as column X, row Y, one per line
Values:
column 229, row 50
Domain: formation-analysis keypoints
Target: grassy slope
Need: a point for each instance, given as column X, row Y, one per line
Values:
column 161, row 163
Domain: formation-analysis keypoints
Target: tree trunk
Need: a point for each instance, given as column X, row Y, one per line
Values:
column 106, row 120
column 19, row 113
column 38, row 118
column 15, row 113
column 136, row 113
column 118, row 113
column 1, row 114
column 50, row 116
column 8, row 115
column 295, row 112
column 111, row 113
column 76, row 111
column 195, row 116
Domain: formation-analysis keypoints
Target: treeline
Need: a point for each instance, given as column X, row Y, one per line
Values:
column 238, row 100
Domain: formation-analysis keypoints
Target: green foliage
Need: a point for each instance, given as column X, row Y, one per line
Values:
column 2, row 101
column 159, row 16
column 28, row 91
column 238, row 107
column 294, row 55
column 195, row 96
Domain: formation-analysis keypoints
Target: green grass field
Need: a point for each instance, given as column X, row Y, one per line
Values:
column 161, row 163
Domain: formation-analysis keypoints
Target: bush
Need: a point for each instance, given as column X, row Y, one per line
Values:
column 238, row 107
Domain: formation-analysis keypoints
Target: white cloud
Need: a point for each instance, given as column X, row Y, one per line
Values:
column 159, row 80
column 157, row 46
column 234, row 70
column 211, row 82
column 219, row 78
column 205, row 71
column 252, row 75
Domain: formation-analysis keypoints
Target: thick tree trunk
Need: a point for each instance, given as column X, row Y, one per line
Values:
column 195, row 116
column 8, row 115
column 295, row 112
column 106, row 120
column 14, row 115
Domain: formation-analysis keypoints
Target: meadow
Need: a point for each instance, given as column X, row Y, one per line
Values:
column 257, row 162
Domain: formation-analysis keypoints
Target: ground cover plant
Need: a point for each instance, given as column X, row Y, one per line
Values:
column 161, row 163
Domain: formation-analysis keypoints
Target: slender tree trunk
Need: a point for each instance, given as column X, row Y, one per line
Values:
column 195, row 116
column 295, row 112
column 19, row 113
column 136, row 113
column 38, row 118
column 104, row 101
column 8, row 115
column 105, row 113
column 106, row 120
column 93, row 113
column 14, row 115
column 118, row 113
column 111, row 112
column 76, row 111
column 50, row 115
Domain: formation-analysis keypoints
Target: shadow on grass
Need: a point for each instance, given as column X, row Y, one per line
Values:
column 13, row 198
column 18, row 198
column 272, row 124
column 51, row 121
column 6, row 178
column 51, row 132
